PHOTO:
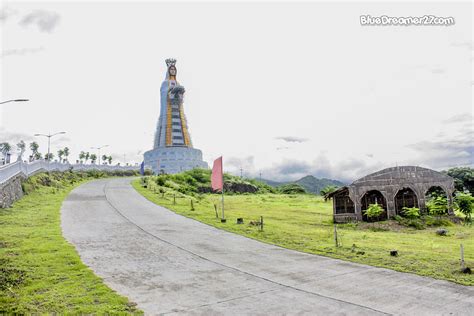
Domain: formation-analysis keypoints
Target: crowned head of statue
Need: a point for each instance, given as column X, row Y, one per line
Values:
column 171, row 68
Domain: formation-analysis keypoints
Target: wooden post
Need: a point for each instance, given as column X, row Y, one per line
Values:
column 223, row 215
column 261, row 223
column 215, row 209
column 335, row 236
column 174, row 198
column 163, row 194
column 462, row 258
column 192, row 205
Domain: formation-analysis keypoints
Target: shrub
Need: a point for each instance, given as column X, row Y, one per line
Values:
column 437, row 206
column 398, row 218
column 373, row 211
column 160, row 180
column 464, row 203
column 411, row 212
column 291, row 188
column 416, row 223
column 436, row 222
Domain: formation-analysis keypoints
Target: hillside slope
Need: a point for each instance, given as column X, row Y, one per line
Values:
column 310, row 183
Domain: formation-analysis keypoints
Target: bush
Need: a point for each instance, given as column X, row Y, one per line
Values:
column 291, row 188
column 160, row 180
column 437, row 206
column 436, row 222
column 411, row 212
column 464, row 203
column 416, row 223
column 373, row 211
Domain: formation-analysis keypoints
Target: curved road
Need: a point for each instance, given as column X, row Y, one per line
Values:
column 167, row 263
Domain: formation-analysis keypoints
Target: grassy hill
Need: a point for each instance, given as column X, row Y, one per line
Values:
column 310, row 183
column 198, row 181
column 40, row 272
column 304, row 222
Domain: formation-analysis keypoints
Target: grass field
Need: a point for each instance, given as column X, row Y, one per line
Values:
column 304, row 222
column 40, row 271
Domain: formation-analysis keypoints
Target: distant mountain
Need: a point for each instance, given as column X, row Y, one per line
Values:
column 272, row 183
column 315, row 185
column 310, row 183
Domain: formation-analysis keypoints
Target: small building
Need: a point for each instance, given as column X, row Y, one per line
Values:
column 392, row 188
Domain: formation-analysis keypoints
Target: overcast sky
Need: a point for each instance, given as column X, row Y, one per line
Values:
column 279, row 88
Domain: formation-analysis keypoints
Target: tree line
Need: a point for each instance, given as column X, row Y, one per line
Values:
column 63, row 154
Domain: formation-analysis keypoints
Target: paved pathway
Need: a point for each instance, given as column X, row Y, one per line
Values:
column 167, row 263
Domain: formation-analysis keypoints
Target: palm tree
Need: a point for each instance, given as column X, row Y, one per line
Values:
column 88, row 155
column 66, row 153
column 34, row 150
column 21, row 148
column 110, row 160
column 93, row 158
column 104, row 159
column 5, row 150
column 49, row 156
column 60, row 155
column 82, row 155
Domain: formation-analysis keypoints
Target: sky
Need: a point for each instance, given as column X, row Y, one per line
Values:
column 281, row 90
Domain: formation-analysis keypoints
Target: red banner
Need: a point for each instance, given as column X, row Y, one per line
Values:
column 217, row 180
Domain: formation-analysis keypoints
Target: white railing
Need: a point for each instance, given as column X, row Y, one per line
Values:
column 28, row 169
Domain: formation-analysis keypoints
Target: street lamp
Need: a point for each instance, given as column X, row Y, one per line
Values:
column 49, row 141
column 15, row 100
column 99, row 148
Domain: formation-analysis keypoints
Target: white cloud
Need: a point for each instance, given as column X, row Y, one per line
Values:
column 282, row 75
column 292, row 139
column 45, row 21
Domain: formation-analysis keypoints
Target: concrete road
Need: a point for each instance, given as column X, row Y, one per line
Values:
column 167, row 263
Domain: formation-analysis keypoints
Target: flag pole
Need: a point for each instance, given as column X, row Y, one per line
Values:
column 223, row 216
column 222, row 171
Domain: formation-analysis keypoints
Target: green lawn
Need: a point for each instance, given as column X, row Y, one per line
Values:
column 40, row 271
column 304, row 222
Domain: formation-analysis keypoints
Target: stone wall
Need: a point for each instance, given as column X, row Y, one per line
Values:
column 10, row 191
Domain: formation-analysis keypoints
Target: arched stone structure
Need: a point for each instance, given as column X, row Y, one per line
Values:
column 389, row 182
column 405, row 197
column 374, row 197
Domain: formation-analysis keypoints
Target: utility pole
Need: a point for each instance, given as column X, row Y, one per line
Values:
column 99, row 148
column 241, row 172
column 49, row 142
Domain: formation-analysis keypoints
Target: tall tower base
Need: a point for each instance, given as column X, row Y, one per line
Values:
column 173, row 159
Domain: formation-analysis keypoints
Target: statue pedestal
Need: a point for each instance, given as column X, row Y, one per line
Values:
column 174, row 159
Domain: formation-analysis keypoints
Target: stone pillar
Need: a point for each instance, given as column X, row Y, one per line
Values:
column 391, row 212
column 450, row 202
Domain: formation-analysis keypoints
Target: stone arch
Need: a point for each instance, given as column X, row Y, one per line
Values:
column 343, row 203
column 405, row 197
column 438, row 189
column 435, row 188
column 374, row 197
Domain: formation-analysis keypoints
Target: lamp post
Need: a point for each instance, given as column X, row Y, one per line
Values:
column 15, row 100
column 99, row 148
column 49, row 141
